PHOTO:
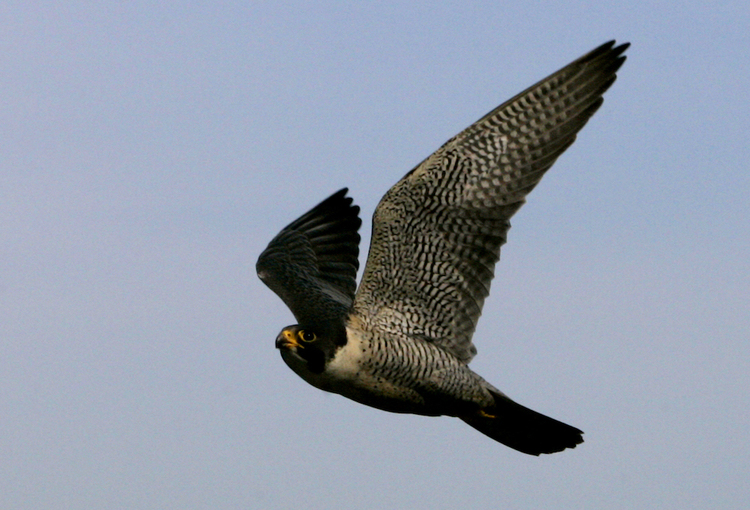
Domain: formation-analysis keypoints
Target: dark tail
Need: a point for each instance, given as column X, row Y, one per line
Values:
column 522, row 429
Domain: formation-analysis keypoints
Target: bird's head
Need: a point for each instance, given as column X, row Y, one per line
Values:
column 304, row 349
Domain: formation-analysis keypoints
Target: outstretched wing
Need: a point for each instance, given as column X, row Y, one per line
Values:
column 312, row 263
column 437, row 233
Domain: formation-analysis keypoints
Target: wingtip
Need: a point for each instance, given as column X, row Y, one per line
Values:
column 607, row 50
column 619, row 50
column 341, row 193
column 624, row 46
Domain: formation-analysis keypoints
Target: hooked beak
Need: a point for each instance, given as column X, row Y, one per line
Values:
column 287, row 340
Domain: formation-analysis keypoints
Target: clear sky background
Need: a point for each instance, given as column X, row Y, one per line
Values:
column 149, row 152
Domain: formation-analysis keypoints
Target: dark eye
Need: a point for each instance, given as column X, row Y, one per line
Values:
column 307, row 336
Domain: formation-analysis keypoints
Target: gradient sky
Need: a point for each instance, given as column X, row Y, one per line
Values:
column 149, row 152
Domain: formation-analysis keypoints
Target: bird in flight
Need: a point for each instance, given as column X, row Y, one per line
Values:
column 402, row 341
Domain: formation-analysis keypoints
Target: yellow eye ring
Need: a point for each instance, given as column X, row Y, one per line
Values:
column 306, row 336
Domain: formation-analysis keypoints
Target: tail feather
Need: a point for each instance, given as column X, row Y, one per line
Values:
column 522, row 429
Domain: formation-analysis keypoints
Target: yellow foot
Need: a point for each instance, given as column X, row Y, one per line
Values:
column 485, row 414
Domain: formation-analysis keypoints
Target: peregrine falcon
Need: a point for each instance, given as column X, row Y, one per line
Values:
column 401, row 342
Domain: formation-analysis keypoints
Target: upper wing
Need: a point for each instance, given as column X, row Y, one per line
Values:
column 437, row 233
column 312, row 263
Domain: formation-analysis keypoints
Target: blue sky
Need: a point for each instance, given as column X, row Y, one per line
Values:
column 148, row 153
